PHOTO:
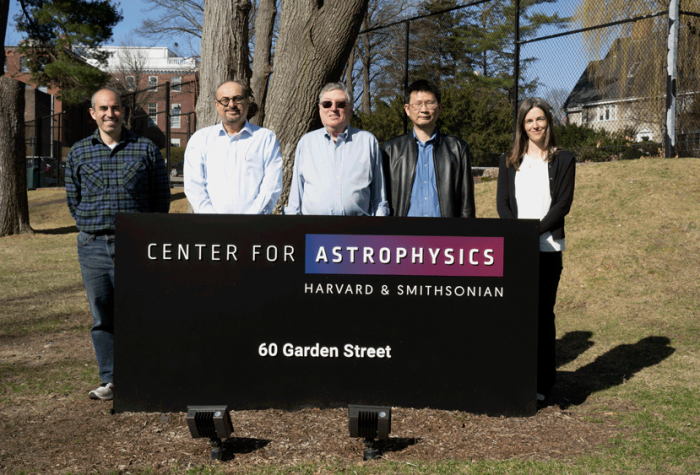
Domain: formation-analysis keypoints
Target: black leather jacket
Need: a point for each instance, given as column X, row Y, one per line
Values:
column 453, row 174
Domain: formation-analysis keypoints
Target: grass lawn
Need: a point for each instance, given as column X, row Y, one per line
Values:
column 628, row 325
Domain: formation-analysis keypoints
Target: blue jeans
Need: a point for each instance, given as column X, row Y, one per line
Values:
column 96, row 257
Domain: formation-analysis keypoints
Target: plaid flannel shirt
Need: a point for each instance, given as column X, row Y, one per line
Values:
column 100, row 182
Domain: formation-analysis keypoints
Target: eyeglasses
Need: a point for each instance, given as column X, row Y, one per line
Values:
column 429, row 105
column 338, row 105
column 238, row 100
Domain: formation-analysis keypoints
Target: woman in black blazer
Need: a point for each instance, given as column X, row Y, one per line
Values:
column 536, row 181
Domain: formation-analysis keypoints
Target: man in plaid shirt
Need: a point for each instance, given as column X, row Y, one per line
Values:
column 113, row 170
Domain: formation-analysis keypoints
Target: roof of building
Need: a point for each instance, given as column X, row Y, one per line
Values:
column 623, row 73
column 149, row 59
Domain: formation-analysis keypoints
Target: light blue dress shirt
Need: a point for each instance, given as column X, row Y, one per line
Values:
column 424, row 196
column 338, row 178
column 240, row 174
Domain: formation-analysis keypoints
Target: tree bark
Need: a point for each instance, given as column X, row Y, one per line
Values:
column 4, row 16
column 348, row 72
column 314, row 43
column 262, row 56
column 14, row 208
column 224, row 53
column 366, row 63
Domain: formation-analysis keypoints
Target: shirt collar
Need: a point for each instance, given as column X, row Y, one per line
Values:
column 345, row 135
column 127, row 136
column 431, row 140
column 246, row 128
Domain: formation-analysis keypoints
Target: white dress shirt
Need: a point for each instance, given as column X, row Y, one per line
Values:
column 534, row 198
column 342, row 178
column 239, row 174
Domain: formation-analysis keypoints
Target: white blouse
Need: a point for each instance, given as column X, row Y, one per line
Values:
column 534, row 199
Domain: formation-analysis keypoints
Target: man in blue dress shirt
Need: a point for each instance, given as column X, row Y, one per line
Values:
column 337, row 168
column 428, row 173
column 234, row 167
column 112, row 171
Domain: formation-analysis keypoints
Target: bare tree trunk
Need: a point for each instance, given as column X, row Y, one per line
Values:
column 224, row 52
column 4, row 16
column 348, row 72
column 14, row 209
column 314, row 43
column 366, row 63
column 262, row 56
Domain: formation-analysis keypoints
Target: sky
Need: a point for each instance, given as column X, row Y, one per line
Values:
column 561, row 62
column 133, row 12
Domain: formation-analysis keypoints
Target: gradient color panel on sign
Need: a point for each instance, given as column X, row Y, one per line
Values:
column 390, row 249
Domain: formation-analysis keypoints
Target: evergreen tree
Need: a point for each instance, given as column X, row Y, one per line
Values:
column 60, row 36
column 469, row 53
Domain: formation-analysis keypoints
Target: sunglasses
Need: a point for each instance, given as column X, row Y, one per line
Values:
column 338, row 105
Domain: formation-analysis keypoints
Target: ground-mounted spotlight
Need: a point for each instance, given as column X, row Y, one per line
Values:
column 213, row 422
column 369, row 422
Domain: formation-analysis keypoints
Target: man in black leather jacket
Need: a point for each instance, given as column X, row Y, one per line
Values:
column 427, row 173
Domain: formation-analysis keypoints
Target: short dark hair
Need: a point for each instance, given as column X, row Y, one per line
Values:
column 423, row 85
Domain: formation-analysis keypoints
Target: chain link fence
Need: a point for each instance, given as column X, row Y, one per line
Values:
column 603, row 70
column 163, row 113
column 605, row 75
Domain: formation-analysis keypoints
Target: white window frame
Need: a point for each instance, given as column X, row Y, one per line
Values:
column 130, row 83
column 175, row 142
column 24, row 65
column 176, row 83
column 606, row 113
column 153, row 79
column 175, row 122
column 153, row 114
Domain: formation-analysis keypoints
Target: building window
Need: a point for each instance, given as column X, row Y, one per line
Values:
column 153, row 83
column 175, row 142
column 23, row 64
column 175, row 116
column 130, row 83
column 176, row 83
column 633, row 69
column 153, row 114
column 606, row 113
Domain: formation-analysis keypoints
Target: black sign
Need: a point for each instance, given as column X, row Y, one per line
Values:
column 290, row 311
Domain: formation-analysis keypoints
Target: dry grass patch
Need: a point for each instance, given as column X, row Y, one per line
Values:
column 629, row 355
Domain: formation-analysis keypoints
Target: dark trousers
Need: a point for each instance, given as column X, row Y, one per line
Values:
column 550, row 272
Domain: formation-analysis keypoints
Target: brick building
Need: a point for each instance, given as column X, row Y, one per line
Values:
column 141, row 73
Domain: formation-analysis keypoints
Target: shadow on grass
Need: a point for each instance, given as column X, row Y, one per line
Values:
column 176, row 196
column 571, row 346
column 608, row 370
column 56, row 231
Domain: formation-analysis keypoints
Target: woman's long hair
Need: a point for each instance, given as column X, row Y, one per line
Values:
column 515, row 157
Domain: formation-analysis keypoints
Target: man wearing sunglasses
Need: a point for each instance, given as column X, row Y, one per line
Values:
column 428, row 173
column 337, row 168
column 233, row 167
